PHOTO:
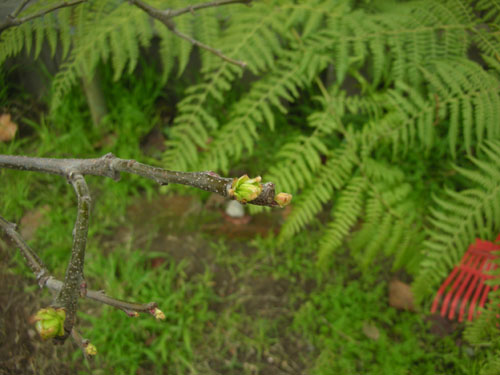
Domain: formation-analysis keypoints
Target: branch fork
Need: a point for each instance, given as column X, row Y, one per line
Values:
column 67, row 292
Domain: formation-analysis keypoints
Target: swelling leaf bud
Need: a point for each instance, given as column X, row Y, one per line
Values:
column 132, row 314
column 49, row 322
column 283, row 199
column 158, row 314
column 90, row 350
column 246, row 189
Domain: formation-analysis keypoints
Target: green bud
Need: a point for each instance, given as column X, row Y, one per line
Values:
column 158, row 314
column 246, row 189
column 91, row 350
column 49, row 322
column 283, row 199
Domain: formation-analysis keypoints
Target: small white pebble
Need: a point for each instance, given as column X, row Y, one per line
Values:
column 235, row 209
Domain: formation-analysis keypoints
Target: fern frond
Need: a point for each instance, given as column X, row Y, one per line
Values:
column 396, row 46
column 487, row 33
column 492, row 366
column 300, row 159
column 13, row 40
column 240, row 134
column 490, row 10
column 103, row 31
column 391, row 223
column 458, row 218
column 412, row 118
column 184, row 48
column 462, row 98
column 255, row 27
column 207, row 30
column 330, row 177
column 290, row 62
column 64, row 23
column 470, row 98
column 167, row 49
column 346, row 212
column 37, row 31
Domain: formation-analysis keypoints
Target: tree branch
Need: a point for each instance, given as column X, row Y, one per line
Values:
column 216, row 52
column 20, row 8
column 99, row 296
column 166, row 16
column 12, row 19
column 81, row 342
column 34, row 262
column 45, row 279
column 74, row 286
column 74, row 280
column 212, row 4
column 111, row 166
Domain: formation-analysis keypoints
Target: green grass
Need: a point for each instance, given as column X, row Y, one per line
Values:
column 332, row 320
column 131, row 343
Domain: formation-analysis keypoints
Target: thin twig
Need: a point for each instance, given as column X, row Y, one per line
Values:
column 81, row 342
column 212, row 4
column 45, row 279
column 197, row 43
column 88, row 350
column 12, row 19
column 34, row 262
column 166, row 16
column 101, row 297
column 111, row 166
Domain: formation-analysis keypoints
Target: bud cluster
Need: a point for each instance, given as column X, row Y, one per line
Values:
column 49, row 322
column 245, row 189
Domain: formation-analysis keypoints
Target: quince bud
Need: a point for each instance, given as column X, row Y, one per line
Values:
column 132, row 314
column 283, row 199
column 50, row 322
column 246, row 189
column 90, row 350
column 158, row 314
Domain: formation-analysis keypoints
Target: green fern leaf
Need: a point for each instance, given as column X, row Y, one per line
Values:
column 346, row 212
column 253, row 24
column 330, row 177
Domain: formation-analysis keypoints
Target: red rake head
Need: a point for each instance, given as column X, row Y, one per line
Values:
column 467, row 280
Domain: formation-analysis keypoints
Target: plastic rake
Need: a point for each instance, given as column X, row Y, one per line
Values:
column 465, row 287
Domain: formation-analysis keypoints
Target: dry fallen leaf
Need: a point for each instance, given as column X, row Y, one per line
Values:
column 157, row 262
column 371, row 331
column 401, row 296
column 8, row 128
